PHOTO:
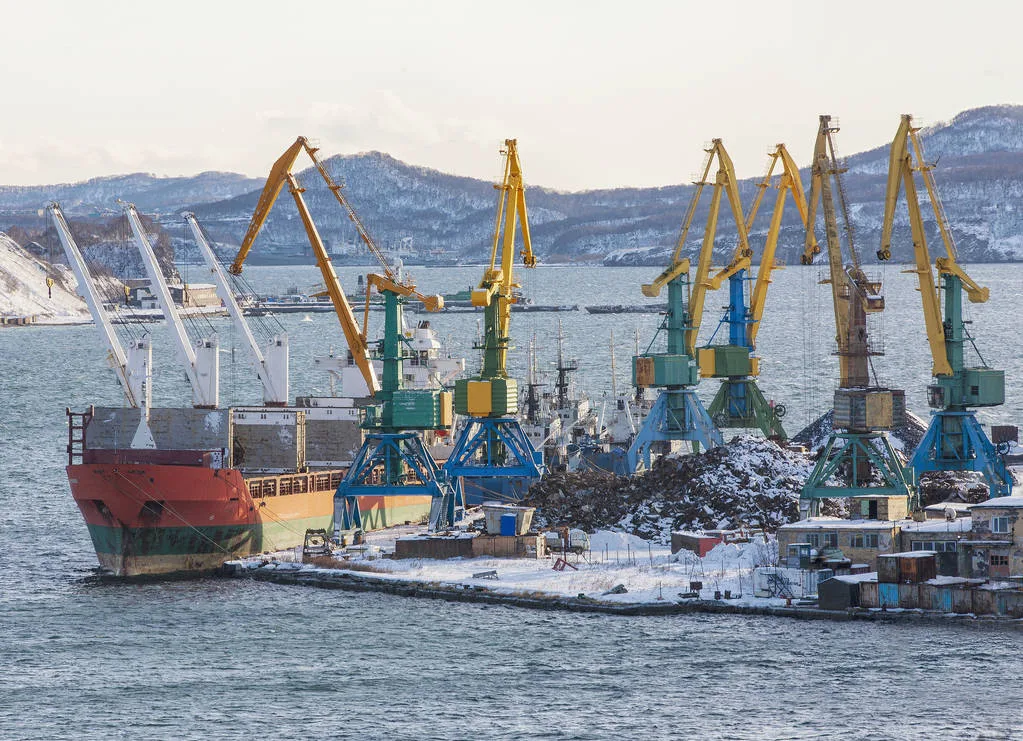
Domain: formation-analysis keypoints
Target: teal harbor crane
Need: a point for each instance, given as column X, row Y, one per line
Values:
column 955, row 440
column 677, row 413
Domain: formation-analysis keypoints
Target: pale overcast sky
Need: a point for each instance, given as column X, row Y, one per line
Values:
column 599, row 94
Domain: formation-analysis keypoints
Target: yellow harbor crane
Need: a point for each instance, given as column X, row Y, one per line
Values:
column 739, row 401
column 955, row 441
column 356, row 337
column 677, row 413
column 492, row 456
column 392, row 458
column 858, row 453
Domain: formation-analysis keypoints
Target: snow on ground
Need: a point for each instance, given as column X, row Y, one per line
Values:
column 649, row 572
column 23, row 289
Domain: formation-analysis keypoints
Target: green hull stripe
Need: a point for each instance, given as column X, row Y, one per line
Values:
column 236, row 540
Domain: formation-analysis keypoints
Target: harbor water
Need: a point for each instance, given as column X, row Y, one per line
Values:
column 226, row 659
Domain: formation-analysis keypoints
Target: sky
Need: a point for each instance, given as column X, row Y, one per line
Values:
column 598, row 94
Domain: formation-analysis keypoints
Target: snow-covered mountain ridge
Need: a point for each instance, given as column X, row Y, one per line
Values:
column 979, row 154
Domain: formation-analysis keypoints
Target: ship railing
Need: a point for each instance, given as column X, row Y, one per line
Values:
column 296, row 483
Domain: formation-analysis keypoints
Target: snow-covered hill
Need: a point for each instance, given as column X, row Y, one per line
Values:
column 150, row 193
column 23, row 289
column 980, row 175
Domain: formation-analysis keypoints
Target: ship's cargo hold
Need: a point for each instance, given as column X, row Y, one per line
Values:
column 269, row 439
column 112, row 428
column 332, row 431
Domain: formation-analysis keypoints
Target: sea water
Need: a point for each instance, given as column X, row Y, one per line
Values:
column 225, row 659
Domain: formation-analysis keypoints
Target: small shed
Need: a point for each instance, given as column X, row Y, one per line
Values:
column 840, row 592
column 910, row 567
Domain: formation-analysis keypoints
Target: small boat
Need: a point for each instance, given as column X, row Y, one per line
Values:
column 627, row 309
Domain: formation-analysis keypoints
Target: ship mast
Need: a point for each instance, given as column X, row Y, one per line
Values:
column 271, row 361
column 202, row 364
column 134, row 368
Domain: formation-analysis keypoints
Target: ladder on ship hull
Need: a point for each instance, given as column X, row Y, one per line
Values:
column 76, row 424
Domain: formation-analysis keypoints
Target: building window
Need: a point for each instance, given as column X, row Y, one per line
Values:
column 1000, row 524
column 864, row 540
column 938, row 546
column 997, row 560
column 829, row 540
column 814, row 540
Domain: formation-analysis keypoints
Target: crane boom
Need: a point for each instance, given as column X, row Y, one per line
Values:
column 202, row 368
column 336, row 189
column 900, row 174
column 271, row 366
column 498, row 279
column 726, row 183
column 134, row 367
column 853, row 294
column 349, row 324
column 675, row 267
column 904, row 148
column 281, row 173
column 267, row 198
column 788, row 182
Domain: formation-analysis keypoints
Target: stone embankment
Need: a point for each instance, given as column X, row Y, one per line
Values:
column 290, row 575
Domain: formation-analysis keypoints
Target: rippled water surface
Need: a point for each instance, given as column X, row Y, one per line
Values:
column 225, row 659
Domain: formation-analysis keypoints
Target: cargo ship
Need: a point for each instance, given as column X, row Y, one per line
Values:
column 219, row 484
column 185, row 511
column 180, row 490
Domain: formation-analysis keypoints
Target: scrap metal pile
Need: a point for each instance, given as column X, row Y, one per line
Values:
column 750, row 482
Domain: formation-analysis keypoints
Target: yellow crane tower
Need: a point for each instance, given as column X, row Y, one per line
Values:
column 492, row 457
column 678, row 413
column 955, row 441
column 392, row 459
column 858, row 453
column 739, row 401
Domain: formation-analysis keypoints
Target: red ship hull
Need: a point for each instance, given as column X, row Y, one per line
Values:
column 152, row 519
